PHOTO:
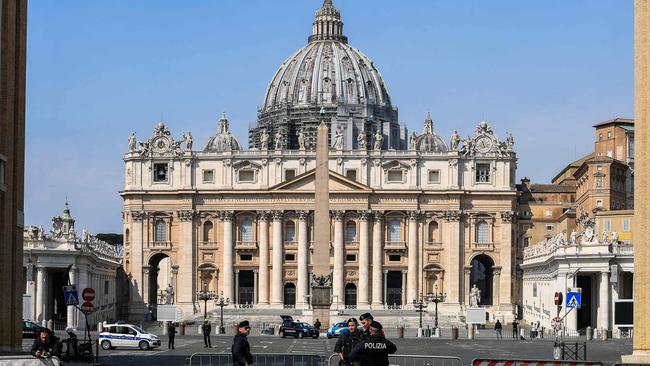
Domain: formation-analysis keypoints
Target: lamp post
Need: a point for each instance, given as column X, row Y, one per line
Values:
column 436, row 298
column 419, row 305
column 204, row 296
column 221, row 302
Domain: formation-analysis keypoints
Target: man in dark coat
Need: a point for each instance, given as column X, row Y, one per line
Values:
column 373, row 350
column 207, row 328
column 241, row 350
column 43, row 344
column 171, row 332
column 347, row 341
column 366, row 319
column 317, row 324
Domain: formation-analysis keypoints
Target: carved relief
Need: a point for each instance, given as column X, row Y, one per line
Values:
column 508, row 216
column 138, row 215
column 226, row 215
column 451, row 216
column 186, row 215
column 337, row 215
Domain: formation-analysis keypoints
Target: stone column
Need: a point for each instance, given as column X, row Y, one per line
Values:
column 237, row 286
column 184, row 293
column 385, row 292
column 405, row 299
column 466, row 285
column 364, row 253
column 603, row 301
column 228, row 257
column 506, row 244
column 452, row 233
column 378, row 290
column 255, row 286
column 571, row 319
column 138, row 295
column 303, row 259
column 412, row 285
column 276, row 289
column 145, row 284
column 496, row 286
column 72, row 311
column 263, row 282
column 39, row 302
column 338, row 285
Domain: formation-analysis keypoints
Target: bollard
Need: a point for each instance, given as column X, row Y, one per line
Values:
column 470, row 331
column 164, row 326
column 420, row 333
column 400, row 332
column 589, row 333
column 50, row 325
column 181, row 329
column 604, row 334
column 200, row 328
column 454, row 332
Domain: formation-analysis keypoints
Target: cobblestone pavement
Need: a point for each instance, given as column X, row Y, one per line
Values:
column 605, row 351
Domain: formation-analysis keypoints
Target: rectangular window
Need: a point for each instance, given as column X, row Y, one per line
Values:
column 482, row 173
column 599, row 203
column 160, row 172
column 351, row 257
column 626, row 225
column 394, row 175
column 394, row 258
column 208, row 176
column 526, row 242
column 351, row 174
column 549, row 227
column 106, row 287
column 289, row 257
column 549, row 213
column 289, row 174
column 247, row 175
column 607, row 225
column 245, row 257
column 434, row 176
column 630, row 147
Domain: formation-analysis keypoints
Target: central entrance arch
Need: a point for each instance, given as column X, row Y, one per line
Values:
column 481, row 275
column 160, row 276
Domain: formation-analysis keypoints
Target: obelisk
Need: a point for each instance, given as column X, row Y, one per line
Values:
column 321, row 282
column 640, row 227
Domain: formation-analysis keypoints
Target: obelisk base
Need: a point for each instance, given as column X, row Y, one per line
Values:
column 321, row 302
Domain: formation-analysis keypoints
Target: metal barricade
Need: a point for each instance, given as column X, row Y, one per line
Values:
column 29, row 360
column 514, row 362
column 269, row 359
column 410, row 360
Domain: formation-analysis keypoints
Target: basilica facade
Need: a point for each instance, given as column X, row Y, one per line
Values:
column 411, row 215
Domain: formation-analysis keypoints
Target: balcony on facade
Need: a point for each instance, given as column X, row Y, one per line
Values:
column 160, row 245
column 395, row 246
column 208, row 245
column 246, row 246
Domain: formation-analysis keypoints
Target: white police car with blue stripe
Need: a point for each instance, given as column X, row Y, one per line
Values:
column 127, row 335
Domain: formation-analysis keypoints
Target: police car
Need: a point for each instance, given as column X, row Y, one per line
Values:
column 127, row 335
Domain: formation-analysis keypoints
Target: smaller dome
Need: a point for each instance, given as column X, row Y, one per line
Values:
column 224, row 140
column 429, row 141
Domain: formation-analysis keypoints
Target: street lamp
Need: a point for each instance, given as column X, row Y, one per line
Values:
column 221, row 302
column 204, row 296
column 436, row 298
column 419, row 305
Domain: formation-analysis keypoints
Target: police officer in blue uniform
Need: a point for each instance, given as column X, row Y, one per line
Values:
column 373, row 350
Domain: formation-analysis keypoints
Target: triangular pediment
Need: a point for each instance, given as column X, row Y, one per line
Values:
column 306, row 182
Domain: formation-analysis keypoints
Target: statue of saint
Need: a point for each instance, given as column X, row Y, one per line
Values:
column 85, row 235
column 474, row 296
column 455, row 140
column 379, row 141
column 588, row 235
column 170, row 294
column 361, row 140
column 264, row 140
column 301, row 140
column 189, row 140
column 132, row 142
column 574, row 236
column 338, row 139
column 510, row 142
column 278, row 140
column 413, row 141
column 615, row 237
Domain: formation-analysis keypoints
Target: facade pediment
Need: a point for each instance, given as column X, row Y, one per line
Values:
column 307, row 183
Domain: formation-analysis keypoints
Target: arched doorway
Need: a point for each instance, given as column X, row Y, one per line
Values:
column 159, row 278
column 481, row 276
column 289, row 296
column 350, row 296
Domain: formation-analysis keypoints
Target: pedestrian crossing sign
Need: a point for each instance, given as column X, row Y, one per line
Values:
column 71, row 295
column 573, row 300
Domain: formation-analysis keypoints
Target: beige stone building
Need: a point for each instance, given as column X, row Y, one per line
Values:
column 406, row 221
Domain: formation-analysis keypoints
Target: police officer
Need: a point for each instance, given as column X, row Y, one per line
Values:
column 374, row 350
column 241, row 350
column 347, row 341
column 171, row 332
column 207, row 328
column 366, row 319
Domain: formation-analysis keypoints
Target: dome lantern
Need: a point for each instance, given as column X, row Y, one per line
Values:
column 328, row 24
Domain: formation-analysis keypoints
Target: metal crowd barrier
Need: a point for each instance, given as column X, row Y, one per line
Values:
column 530, row 362
column 28, row 360
column 411, row 360
column 269, row 359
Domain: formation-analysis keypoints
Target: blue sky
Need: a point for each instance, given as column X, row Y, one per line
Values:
column 97, row 70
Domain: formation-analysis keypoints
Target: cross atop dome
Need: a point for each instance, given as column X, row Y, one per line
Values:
column 328, row 24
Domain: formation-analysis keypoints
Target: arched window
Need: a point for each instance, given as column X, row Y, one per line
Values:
column 482, row 232
column 208, row 229
column 290, row 232
column 350, row 232
column 394, row 230
column 434, row 232
column 160, row 233
column 246, row 231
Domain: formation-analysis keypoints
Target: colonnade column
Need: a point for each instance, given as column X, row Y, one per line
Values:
column 377, row 261
column 263, row 281
column 303, row 259
column 364, row 252
column 276, row 287
column 507, row 277
column 72, row 311
column 338, row 286
column 39, row 303
column 571, row 318
column 412, row 284
column 184, row 294
column 228, row 264
column 603, row 301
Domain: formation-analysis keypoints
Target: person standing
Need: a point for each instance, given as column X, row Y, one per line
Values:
column 317, row 325
column 207, row 328
column 366, row 319
column 241, row 350
column 347, row 341
column 373, row 350
column 498, row 328
column 515, row 332
column 171, row 332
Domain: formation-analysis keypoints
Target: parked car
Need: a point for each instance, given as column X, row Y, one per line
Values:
column 297, row 329
column 127, row 335
column 337, row 329
column 31, row 329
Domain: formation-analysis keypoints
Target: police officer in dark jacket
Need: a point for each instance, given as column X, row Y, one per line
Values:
column 366, row 319
column 171, row 332
column 207, row 328
column 347, row 341
column 374, row 350
column 241, row 350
